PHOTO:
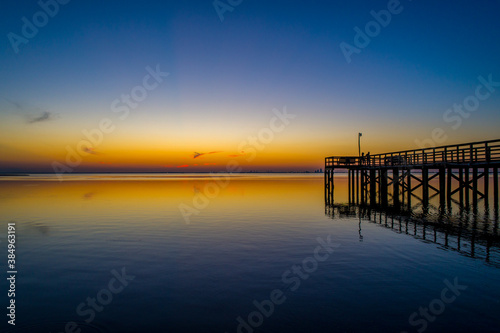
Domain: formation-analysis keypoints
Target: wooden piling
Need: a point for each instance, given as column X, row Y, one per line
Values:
column 486, row 175
column 442, row 186
column 425, row 187
column 474, row 187
column 395, row 187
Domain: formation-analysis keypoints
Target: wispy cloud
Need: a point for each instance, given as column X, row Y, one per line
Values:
column 183, row 166
column 196, row 155
column 32, row 114
column 16, row 104
column 45, row 116
column 88, row 196
column 90, row 151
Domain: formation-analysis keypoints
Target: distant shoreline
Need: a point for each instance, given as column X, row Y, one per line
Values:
column 177, row 173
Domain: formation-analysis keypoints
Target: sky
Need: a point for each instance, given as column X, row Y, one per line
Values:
column 200, row 86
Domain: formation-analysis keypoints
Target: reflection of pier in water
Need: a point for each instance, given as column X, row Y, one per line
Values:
column 465, row 233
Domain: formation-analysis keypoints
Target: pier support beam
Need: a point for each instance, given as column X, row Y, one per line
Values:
column 383, row 187
column 442, row 186
column 329, row 186
column 474, row 187
column 363, row 187
column 461, row 185
column 466, row 180
column 373, row 189
column 395, row 187
column 409, row 192
column 353, row 186
column 495, row 189
column 449, row 187
column 425, row 188
column 486, row 175
column 325, row 182
column 349, row 171
column 357, row 186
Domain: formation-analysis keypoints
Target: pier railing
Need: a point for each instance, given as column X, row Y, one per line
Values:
column 484, row 152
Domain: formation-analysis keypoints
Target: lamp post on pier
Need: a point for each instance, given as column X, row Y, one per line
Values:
column 359, row 143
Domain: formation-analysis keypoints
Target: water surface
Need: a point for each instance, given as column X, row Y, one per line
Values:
column 203, row 251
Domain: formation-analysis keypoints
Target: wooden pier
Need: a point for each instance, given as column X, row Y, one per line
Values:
column 457, row 173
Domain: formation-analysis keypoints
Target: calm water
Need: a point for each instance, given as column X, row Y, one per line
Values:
column 159, row 253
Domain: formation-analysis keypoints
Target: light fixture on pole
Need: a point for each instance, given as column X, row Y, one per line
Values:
column 359, row 143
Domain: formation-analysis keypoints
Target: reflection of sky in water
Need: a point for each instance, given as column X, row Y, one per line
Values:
column 202, row 276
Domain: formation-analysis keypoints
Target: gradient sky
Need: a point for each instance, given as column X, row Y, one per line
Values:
column 226, row 77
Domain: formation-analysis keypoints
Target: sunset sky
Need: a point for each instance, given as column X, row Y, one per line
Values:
column 229, row 79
